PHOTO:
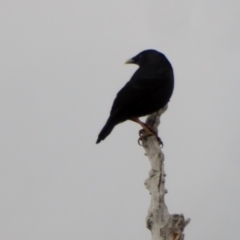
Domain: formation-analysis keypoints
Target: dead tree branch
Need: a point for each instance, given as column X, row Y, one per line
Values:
column 162, row 225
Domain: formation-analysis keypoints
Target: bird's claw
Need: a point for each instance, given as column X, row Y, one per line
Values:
column 143, row 135
column 159, row 141
column 141, row 132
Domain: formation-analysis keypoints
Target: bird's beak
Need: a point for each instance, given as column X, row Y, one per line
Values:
column 130, row 61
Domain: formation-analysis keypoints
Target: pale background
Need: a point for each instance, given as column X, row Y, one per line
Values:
column 61, row 67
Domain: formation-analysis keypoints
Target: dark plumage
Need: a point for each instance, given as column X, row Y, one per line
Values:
column 149, row 89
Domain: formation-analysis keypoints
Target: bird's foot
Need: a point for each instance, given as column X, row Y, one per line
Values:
column 159, row 141
column 143, row 134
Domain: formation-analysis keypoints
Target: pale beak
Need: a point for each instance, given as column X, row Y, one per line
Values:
column 129, row 61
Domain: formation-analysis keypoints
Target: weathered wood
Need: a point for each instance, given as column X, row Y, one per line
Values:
column 162, row 225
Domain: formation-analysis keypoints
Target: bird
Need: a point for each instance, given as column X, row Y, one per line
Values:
column 148, row 90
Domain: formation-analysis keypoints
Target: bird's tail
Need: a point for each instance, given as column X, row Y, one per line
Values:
column 108, row 127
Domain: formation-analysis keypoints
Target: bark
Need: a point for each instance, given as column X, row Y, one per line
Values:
column 162, row 225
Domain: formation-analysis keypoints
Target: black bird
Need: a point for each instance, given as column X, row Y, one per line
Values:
column 149, row 90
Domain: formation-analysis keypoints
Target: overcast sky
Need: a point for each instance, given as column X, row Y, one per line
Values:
column 62, row 63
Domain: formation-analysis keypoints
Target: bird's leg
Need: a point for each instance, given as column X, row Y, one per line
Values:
column 146, row 131
column 145, row 127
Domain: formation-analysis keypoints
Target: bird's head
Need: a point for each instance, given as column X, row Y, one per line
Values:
column 148, row 57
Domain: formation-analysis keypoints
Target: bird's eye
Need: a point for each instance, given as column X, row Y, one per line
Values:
column 140, row 58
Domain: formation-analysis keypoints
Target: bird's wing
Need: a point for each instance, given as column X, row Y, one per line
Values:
column 137, row 89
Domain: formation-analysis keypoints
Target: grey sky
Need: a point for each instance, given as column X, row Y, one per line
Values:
column 61, row 67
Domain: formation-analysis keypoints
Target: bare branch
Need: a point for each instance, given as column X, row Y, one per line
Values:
column 162, row 225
